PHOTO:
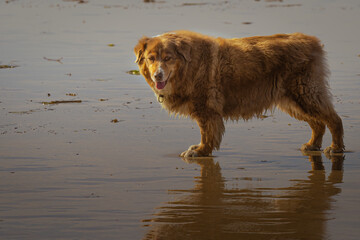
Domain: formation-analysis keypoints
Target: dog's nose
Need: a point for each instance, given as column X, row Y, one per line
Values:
column 158, row 76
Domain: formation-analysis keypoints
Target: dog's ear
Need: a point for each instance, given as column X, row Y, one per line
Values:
column 184, row 49
column 140, row 49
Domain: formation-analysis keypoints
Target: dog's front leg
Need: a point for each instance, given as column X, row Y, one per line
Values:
column 212, row 129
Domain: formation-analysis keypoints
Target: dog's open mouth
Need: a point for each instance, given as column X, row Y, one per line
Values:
column 160, row 85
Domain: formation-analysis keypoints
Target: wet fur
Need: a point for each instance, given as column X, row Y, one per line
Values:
column 217, row 79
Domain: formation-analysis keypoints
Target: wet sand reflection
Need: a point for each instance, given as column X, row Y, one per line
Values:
column 211, row 211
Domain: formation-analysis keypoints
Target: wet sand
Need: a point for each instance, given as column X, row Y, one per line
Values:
column 86, row 152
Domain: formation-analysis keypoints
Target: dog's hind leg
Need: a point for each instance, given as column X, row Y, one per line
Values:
column 317, row 115
column 294, row 109
column 324, row 113
column 318, row 130
column 334, row 123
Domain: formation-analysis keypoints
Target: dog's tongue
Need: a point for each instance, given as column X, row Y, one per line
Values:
column 160, row 85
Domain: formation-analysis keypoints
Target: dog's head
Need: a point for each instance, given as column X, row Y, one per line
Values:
column 160, row 58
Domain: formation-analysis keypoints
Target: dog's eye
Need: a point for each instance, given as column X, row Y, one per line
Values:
column 151, row 59
column 167, row 58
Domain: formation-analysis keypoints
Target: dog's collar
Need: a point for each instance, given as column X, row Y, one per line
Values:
column 161, row 98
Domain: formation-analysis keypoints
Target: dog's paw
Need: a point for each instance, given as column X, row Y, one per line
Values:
column 307, row 148
column 331, row 151
column 194, row 147
column 190, row 153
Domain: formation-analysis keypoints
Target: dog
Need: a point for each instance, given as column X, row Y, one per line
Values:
column 214, row 79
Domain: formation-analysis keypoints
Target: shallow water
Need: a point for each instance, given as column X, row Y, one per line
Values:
column 70, row 171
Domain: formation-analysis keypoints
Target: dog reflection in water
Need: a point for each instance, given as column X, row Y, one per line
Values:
column 213, row 211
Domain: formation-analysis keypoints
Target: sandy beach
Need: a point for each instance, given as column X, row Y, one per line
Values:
column 86, row 152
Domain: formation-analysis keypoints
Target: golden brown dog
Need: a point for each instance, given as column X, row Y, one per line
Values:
column 212, row 79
